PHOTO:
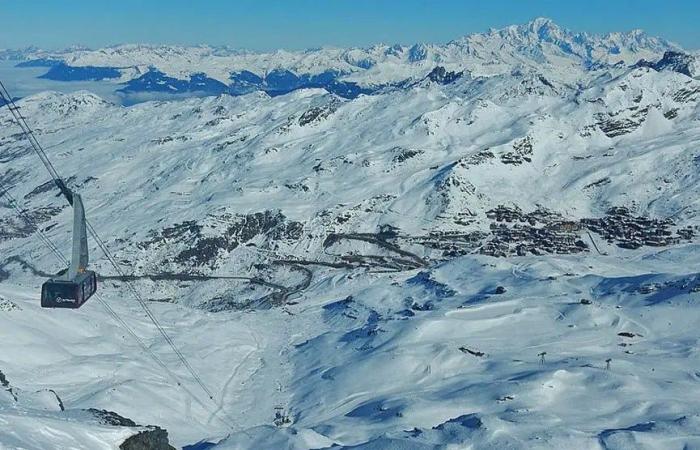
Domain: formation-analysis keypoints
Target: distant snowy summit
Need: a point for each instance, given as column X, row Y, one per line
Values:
column 540, row 45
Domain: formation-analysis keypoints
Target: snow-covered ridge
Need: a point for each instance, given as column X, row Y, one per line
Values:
column 537, row 43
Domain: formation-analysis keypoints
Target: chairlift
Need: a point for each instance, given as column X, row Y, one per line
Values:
column 74, row 287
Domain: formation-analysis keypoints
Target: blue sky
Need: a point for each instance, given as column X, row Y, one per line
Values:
column 295, row 24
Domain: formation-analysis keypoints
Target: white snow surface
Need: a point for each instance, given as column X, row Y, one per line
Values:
column 364, row 356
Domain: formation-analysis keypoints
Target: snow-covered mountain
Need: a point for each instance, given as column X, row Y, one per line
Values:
column 497, row 253
column 541, row 44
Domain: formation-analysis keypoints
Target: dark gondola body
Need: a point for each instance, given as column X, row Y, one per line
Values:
column 61, row 293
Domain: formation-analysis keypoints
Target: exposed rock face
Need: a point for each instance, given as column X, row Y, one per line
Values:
column 480, row 157
column 7, row 305
column 471, row 421
column 12, row 227
column 419, row 52
column 318, row 113
column 440, row 75
column 522, row 152
column 148, row 438
column 59, row 401
column 598, row 183
column 6, row 385
column 152, row 439
column 404, row 154
column 672, row 60
column 111, row 418
column 621, row 122
column 204, row 246
column 687, row 95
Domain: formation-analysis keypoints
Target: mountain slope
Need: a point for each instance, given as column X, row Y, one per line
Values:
column 496, row 260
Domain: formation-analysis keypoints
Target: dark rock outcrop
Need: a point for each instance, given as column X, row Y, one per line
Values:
column 204, row 250
column 6, row 385
column 522, row 152
column 441, row 75
column 111, row 418
column 318, row 113
column 672, row 60
column 617, row 123
column 151, row 439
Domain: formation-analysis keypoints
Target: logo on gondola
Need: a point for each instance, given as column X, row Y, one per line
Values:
column 63, row 300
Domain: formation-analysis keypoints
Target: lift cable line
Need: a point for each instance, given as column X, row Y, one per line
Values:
column 4, row 191
column 38, row 149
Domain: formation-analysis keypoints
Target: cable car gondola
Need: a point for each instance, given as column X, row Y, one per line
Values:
column 76, row 286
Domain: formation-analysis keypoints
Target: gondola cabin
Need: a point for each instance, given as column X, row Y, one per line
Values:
column 58, row 293
column 77, row 284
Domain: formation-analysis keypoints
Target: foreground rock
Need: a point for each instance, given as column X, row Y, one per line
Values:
column 152, row 439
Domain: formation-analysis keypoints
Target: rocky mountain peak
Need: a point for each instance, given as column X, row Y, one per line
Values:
column 675, row 61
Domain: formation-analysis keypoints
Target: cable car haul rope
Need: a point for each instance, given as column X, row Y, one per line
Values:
column 78, row 284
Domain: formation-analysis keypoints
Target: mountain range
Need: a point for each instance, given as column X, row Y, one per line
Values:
column 484, row 244
column 539, row 45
